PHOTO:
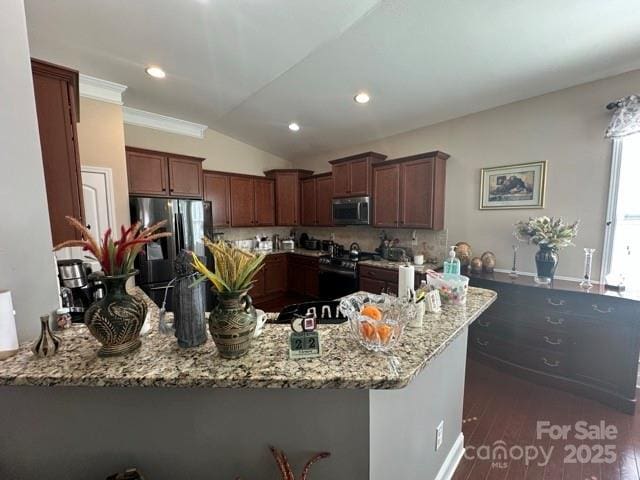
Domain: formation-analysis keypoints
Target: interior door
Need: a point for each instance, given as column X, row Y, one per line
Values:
column 97, row 193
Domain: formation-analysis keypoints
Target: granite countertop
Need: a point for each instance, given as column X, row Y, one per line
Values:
column 161, row 363
column 395, row 265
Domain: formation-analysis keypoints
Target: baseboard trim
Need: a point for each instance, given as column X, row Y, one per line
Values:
column 454, row 456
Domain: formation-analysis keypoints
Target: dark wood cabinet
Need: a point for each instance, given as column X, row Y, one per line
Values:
column 409, row 192
column 584, row 342
column 316, row 196
column 161, row 174
column 252, row 201
column 379, row 280
column 303, row 276
column 216, row 191
column 275, row 274
column 264, row 202
column 287, row 185
column 352, row 175
column 56, row 98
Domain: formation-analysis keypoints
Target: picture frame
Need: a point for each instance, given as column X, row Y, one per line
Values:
column 515, row 186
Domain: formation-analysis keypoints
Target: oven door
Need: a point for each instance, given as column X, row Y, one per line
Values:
column 336, row 283
column 351, row 211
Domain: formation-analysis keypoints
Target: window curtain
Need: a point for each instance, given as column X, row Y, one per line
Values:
column 626, row 117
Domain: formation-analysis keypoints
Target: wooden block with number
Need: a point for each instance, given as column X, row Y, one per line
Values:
column 304, row 345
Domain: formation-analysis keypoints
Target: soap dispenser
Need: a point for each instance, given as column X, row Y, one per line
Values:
column 452, row 264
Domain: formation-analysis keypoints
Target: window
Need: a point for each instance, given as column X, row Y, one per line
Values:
column 622, row 239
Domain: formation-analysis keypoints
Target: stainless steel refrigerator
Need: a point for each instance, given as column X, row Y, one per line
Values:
column 188, row 221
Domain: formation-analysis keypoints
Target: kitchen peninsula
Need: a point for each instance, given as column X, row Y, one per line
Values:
column 376, row 422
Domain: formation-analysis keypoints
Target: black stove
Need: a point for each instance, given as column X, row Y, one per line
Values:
column 339, row 274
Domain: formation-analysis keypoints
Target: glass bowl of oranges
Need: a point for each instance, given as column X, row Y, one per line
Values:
column 376, row 321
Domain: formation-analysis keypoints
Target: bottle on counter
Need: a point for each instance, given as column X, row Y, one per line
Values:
column 452, row 263
column 421, row 293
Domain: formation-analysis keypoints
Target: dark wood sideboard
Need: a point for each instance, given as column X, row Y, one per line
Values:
column 586, row 342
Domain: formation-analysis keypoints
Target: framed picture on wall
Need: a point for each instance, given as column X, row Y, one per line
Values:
column 513, row 186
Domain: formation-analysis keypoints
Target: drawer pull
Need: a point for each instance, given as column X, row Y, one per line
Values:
column 553, row 364
column 484, row 323
column 608, row 310
column 481, row 343
column 550, row 320
column 557, row 341
column 559, row 303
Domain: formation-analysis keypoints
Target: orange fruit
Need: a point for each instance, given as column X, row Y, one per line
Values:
column 367, row 330
column 371, row 311
column 384, row 332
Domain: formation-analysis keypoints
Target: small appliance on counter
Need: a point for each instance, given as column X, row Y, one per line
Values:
column 354, row 251
column 326, row 245
column 288, row 244
column 309, row 243
column 77, row 292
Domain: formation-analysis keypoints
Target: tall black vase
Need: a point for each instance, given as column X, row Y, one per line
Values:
column 546, row 264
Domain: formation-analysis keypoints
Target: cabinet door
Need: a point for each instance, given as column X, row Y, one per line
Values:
column 324, row 209
column 54, row 105
column 275, row 275
column 295, row 277
column 308, row 204
column 386, row 196
column 372, row 286
column 287, row 199
column 416, row 209
column 185, row 178
column 264, row 202
column 311, row 282
column 359, row 178
column 216, row 191
column 147, row 174
column 258, row 288
column 242, row 201
column 341, row 180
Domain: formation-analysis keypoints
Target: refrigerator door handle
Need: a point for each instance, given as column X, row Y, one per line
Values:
column 177, row 230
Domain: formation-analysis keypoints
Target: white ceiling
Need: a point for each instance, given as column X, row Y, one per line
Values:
column 248, row 68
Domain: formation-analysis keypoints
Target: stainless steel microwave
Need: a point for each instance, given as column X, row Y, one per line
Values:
column 351, row 211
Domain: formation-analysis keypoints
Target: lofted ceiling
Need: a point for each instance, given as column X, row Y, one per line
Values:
column 248, row 68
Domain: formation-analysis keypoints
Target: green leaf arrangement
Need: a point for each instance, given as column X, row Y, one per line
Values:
column 234, row 268
column 550, row 231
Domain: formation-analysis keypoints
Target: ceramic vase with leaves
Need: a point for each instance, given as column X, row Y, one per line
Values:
column 232, row 321
column 546, row 263
column 115, row 320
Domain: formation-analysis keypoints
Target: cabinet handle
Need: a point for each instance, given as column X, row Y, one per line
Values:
column 554, row 364
column 481, row 343
column 557, row 341
column 484, row 324
column 550, row 320
column 555, row 304
column 608, row 310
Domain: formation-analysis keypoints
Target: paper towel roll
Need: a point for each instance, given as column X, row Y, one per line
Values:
column 8, row 334
column 406, row 278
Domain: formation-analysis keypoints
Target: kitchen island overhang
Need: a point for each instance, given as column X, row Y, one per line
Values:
column 374, row 421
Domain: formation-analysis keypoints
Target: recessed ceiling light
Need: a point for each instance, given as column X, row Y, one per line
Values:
column 155, row 72
column 362, row 97
column 294, row 127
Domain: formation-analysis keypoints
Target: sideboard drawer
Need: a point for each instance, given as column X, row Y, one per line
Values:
column 555, row 363
column 543, row 336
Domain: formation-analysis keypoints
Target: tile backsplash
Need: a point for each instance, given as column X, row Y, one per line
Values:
column 432, row 244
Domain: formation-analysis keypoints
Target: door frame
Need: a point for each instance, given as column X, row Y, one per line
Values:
column 108, row 180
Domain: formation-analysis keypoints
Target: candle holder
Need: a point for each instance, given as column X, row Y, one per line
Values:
column 514, row 273
column 588, row 260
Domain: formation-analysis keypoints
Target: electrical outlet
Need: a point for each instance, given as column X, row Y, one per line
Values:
column 414, row 239
column 439, row 432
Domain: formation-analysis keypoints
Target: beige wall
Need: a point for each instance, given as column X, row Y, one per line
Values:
column 26, row 262
column 220, row 151
column 101, row 143
column 565, row 128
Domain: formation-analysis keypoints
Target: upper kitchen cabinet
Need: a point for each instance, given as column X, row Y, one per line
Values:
column 216, row 191
column 317, row 192
column 287, row 191
column 252, row 201
column 56, row 97
column 409, row 191
column 352, row 175
column 161, row 174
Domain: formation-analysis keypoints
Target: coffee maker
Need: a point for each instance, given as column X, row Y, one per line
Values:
column 76, row 291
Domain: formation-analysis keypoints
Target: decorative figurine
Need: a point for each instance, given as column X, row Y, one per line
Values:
column 464, row 254
column 188, row 304
column 476, row 265
column 47, row 344
column 488, row 261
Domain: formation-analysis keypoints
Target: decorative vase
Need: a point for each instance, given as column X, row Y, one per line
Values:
column 189, row 318
column 116, row 320
column 232, row 323
column 546, row 263
column 47, row 343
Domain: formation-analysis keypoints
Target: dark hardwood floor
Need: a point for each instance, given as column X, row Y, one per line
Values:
column 500, row 407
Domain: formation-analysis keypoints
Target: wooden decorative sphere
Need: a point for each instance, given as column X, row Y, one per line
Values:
column 463, row 252
column 476, row 265
column 488, row 261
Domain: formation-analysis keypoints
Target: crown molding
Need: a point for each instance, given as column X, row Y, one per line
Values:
column 140, row 118
column 99, row 89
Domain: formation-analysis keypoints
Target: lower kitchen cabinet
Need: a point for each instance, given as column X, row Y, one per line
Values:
column 275, row 274
column 378, row 280
column 303, row 275
column 584, row 342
